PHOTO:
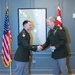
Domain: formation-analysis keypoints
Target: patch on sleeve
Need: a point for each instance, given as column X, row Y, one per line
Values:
column 23, row 34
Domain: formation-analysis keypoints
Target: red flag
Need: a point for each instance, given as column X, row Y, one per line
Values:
column 58, row 20
column 6, row 41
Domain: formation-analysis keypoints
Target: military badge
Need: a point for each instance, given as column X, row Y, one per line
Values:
column 54, row 32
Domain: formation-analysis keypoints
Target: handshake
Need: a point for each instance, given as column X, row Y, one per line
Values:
column 39, row 48
column 52, row 48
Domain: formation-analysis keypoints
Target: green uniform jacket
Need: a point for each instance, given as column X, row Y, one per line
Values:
column 57, row 37
column 24, row 47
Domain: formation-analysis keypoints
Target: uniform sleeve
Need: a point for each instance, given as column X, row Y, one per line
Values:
column 47, row 43
column 23, row 42
column 62, row 38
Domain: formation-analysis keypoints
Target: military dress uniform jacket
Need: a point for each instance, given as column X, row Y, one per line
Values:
column 24, row 47
column 56, row 37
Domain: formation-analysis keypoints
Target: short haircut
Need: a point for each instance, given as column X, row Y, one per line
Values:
column 52, row 19
column 25, row 22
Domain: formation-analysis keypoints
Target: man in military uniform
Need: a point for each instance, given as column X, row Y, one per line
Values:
column 57, row 41
column 23, row 52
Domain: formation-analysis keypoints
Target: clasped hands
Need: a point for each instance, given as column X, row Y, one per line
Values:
column 52, row 48
column 39, row 48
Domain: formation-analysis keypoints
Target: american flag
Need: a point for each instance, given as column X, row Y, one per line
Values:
column 59, row 20
column 6, row 41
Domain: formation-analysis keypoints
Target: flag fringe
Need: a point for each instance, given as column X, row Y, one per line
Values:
column 8, row 62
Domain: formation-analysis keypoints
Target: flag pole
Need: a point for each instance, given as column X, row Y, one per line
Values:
column 10, row 69
column 58, row 3
column 10, row 63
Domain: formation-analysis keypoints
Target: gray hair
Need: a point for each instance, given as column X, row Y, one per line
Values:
column 52, row 19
